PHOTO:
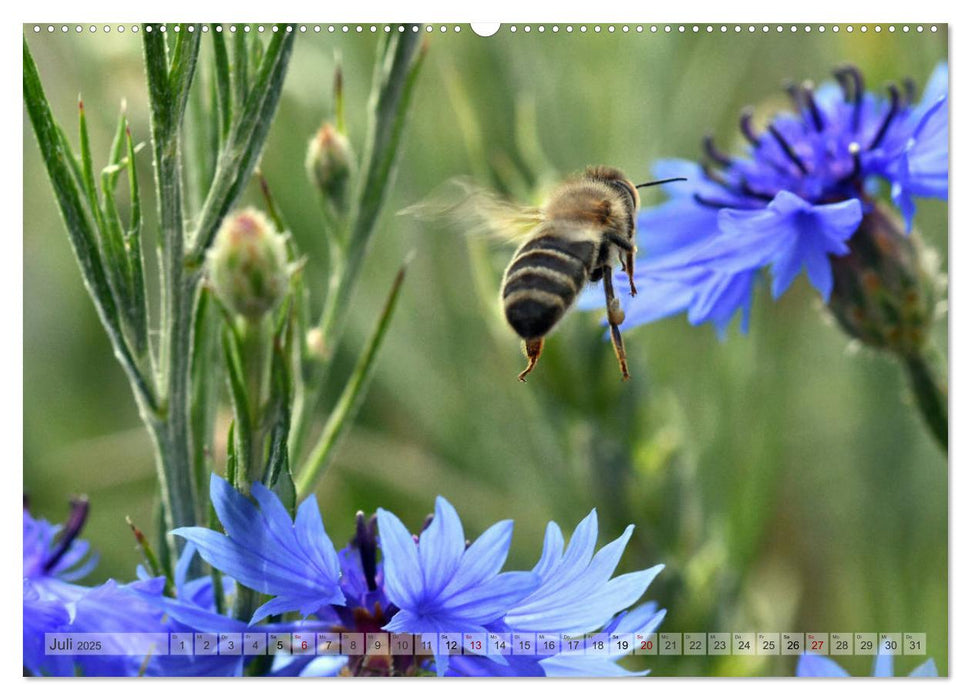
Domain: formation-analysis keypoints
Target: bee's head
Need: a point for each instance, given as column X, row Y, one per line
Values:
column 618, row 181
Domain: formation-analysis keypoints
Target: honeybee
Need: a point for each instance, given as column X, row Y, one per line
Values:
column 586, row 223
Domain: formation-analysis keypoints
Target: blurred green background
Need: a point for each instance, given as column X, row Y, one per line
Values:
column 782, row 477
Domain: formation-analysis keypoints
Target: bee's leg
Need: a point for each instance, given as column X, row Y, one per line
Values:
column 615, row 316
column 532, row 349
column 627, row 260
column 629, row 269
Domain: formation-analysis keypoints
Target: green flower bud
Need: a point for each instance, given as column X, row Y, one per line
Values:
column 248, row 264
column 330, row 162
column 883, row 290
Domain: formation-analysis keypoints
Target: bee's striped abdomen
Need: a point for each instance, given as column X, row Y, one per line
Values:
column 543, row 281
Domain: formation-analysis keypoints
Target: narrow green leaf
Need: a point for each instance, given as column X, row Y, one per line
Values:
column 118, row 259
column 218, row 594
column 240, row 66
column 67, row 151
column 277, row 475
column 214, row 136
column 281, row 377
column 133, row 245
column 200, row 142
column 151, row 560
column 107, row 223
column 347, row 405
column 339, row 119
column 389, row 105
column 162, row 542
column 87, row 169
column 255, row 51
column 271, row 208
column 62, row 175
column 116, row 154
column 205, row 389
column 159, row 87
column 232, row 459
column 185, row 55
column 240, row 397
column 223, row 83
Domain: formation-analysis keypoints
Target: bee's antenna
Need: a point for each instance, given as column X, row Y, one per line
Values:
column 661, row 182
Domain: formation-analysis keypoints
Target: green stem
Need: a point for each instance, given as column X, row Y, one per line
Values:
column 255, row 339
column 930, row 393
column 395, row 79
column 396, row 72
column 167, row 88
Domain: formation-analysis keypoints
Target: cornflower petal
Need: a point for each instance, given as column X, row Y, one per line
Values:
column 403, row 580
column 266, row 551
column 883, row 666
column 928, row 669
column 440, row 547
column 789, row 234
column 813, row 666
column 483, row 559
column 577, row 593
column 472, row 595
column 922, row 168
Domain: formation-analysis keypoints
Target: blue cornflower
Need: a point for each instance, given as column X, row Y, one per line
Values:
column 265, row 550
column 54, row 557
column 194, row 610
column 431, row 583
column 813, row 666
column 795, row 201
column 577, row 594
column 439, row 585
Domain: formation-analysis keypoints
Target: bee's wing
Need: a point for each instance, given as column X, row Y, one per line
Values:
column 477, row 211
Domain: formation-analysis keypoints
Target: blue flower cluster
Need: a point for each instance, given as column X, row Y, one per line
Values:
column 54, row 557
column 431, row 583
column 792, row 202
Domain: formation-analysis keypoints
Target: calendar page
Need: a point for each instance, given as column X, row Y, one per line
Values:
column 485, row 350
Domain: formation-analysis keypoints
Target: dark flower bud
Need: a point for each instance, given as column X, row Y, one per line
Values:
column 883, row 290
column 330, row 163
column 248, row 264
